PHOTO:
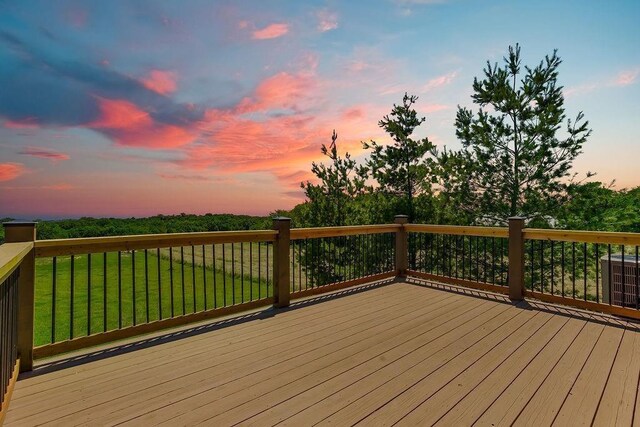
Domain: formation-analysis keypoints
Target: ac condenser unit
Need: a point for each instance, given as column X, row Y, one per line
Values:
column 627, row 279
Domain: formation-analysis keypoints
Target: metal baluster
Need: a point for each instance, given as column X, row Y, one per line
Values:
column 104, row 291
column 171, row 281
column 204, row 276
column 53, row 302
column 241, row 271
column 159, row 284
column 224, row 278
column 542, row 266
column 624, row 299
column 552, row 269
column 193, row 276
column 88, row 294
column 598, row 274
column 233, row 274
column 146, row 283
column 71, row 294
column 184, row 297
column 562, row 268
column 215, row 274
column 133, row 284
column 119, row 290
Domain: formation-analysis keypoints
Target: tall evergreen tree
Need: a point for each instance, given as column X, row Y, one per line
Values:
column 513, row 160
column 403, row 167
column 331, row 200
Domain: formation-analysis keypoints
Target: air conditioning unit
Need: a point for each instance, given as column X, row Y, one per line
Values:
column 617, row 277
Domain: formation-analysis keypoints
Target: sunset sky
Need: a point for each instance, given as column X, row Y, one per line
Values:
column 135, row 108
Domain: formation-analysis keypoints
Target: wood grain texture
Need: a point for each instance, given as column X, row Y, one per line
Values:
column 459, row 230
column 49, row 350
column 617, row 238
column 58, row 247
column 4, row 408
column 395, row 353
column 11, row 255
column 631, row 313
column 311, row 233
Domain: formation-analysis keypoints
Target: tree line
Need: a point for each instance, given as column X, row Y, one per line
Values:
column 516, row 159
column 159, row 224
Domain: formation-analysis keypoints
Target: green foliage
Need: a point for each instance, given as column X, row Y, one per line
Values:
column 331, row 201
column 595, row 206
column 402, row 169
column 513, row 162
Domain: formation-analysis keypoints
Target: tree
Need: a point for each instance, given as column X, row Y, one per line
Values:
column 597, row 206
column 331, row 200
column 402, row 169
column 513, row 161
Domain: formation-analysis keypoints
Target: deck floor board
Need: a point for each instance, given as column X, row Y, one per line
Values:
column 403, row 352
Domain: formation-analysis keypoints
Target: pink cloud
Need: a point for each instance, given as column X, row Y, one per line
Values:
column 292, row 179
column 271, row 31
column 162, row 82
column 440, row 81
column 10, row 171
column 627, row 78
column 327, row 20
column 284, row 91
column 44, row 153
column 128, row 125
column 27, row 123
column 579, row 90
column 353, row 113
column 184, row 177
column 243, row 145
column 357, row 66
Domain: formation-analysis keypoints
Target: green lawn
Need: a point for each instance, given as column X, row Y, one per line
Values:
column 150, row 297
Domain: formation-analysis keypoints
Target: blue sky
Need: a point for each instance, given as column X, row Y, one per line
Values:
column 138, row 107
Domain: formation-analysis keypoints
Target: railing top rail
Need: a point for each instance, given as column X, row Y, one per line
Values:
column 57, row 247
column 11, row 255
column 605, row 237
column 458, row 230
column 310, row 233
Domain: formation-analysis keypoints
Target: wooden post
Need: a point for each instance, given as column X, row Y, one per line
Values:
column 24, row 232
column 402, row 263
column 281, row 262
column 516, row 259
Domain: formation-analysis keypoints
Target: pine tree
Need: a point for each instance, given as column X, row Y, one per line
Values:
column 402, row 168
column 513, row 161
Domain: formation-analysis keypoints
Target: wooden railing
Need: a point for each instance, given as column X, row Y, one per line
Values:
column 474, row 257
column 91, row 291
column 16, row 331
column 587, row 269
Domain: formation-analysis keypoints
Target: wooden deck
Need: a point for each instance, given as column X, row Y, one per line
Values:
column 400, row 353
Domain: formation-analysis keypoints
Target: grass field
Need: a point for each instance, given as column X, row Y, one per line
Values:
column 152, row 295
